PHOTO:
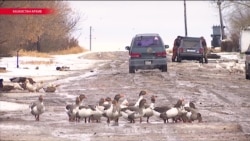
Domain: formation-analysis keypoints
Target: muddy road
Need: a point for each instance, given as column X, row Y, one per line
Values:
column 221, row 96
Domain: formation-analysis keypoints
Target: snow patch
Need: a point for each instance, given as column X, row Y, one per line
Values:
column 10, row 106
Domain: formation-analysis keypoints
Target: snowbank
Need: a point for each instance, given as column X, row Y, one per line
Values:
column 43, row 68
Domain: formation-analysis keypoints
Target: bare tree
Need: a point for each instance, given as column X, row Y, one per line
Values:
column 237, row 16
column 28, row 31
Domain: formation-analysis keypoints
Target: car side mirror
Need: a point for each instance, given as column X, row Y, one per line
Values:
column 127, row 48
column 166, row 46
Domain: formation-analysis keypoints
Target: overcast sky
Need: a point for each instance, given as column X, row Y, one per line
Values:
column 114, row 23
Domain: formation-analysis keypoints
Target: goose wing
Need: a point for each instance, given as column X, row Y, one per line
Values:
column 162, row 109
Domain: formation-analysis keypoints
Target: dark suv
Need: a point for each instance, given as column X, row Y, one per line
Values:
column 190, row 49
column 247, row 65
column 147, row 51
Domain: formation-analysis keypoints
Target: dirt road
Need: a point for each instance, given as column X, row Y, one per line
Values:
column 222, row 97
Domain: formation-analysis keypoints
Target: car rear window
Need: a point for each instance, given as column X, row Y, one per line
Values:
column 147, row 41
column 191, row 43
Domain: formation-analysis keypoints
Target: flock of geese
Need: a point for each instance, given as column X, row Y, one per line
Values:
column 116, row 108
column 25, row 83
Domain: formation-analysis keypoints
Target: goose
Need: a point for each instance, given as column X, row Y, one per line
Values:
column 99, row 110
column 192, row 114
column 124, row 104
column 115, row 112
column 37, row 108
column 190, row 104
column 30, row 87
column 170, row 113
column 81, row 97
column 112, row 111
column 5, row 88
column 148, row 111
column 85, row 112
column 39, row 86
column 72, row 109
column 141, row 94
column 51, row 88
column 18, row 86
column 107, row 101
column 132, row 112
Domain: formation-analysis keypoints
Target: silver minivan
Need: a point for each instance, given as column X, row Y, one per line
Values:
column 147, row 51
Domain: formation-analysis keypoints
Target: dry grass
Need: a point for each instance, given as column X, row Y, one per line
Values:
column 33, row 54
column 73, row 50
column 2, row 69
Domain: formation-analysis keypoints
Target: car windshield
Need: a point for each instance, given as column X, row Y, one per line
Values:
column 191, row 43
column 146, row 41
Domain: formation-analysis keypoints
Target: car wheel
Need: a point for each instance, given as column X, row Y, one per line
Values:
column 247, row 76
column 131, row 70
column 164, row 68
column 178, row 59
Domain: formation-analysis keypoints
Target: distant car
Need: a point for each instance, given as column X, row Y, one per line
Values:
column 190, row 49
column 147, row 51
column 247, row 64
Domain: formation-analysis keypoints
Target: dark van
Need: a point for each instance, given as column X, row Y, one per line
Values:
column 190, row 49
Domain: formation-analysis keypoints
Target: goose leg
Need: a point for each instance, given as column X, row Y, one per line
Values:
column 164, row 121
column 108, row 121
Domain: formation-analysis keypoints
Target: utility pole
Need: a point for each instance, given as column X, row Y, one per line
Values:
column 185, row 18
column 90, row 38
column 221, row 21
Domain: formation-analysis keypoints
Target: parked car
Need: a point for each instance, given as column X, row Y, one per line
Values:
column 191, row 49
column 247, row 64
column 147, row 51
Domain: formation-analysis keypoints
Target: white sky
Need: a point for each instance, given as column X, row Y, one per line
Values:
column 114, row 23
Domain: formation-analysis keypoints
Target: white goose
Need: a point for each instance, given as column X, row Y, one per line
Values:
column 99, row 110
column 192, row 114
column 132, row 112
column 148, row 111
column 84, row 112
column 112, row 111
column 30, row 87
column 170, row 113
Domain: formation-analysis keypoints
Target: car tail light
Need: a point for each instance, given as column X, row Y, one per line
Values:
column 201, row 50
column 180, row 50
column 161, row 54
column 135, row 55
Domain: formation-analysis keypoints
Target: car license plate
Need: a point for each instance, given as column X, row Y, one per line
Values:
column 148, row 62
column 190, row 50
